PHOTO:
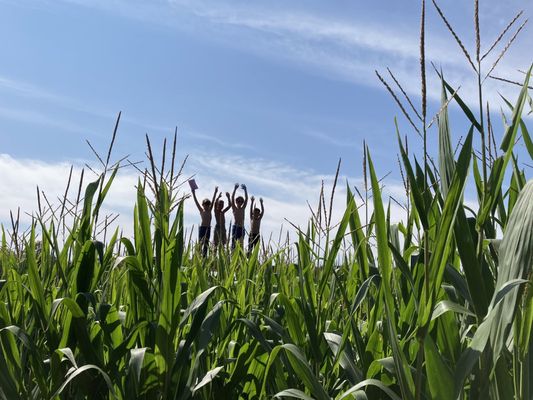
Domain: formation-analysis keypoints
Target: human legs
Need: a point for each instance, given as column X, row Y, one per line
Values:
column 204, row 232
column 220, row 235
column 252, row 241
column 237, row 234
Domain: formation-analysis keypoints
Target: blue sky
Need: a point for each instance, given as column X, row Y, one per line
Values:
column 268, row 93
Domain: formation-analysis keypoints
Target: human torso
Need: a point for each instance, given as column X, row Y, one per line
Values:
column 220, row 219
column 206, row 218
column 255, row 225
column 238, row 216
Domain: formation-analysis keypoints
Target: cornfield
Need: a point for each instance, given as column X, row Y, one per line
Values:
column 432, row 307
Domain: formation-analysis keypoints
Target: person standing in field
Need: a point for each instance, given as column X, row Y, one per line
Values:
column 204, row 230
column 256, row 215
column 238, row 206
column 220, row 221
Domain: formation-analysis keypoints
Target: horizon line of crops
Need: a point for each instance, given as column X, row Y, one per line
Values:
column 431, row 307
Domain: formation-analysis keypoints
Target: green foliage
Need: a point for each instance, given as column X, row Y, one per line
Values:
column 432, row 307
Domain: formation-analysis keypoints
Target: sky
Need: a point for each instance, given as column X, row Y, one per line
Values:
column 267, row 93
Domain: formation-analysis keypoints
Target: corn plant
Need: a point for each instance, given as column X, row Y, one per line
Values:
column 435, row 306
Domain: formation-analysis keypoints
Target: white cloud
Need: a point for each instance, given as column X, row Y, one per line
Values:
column 285, row 190
column 20, row 178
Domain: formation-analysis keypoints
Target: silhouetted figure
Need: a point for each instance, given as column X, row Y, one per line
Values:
column 204, row 231
column 220, row 237
column 256, row 215
column 238, row 206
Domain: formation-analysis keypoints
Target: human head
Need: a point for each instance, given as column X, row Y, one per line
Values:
column 239, row 200
column 220, row 204
column 206, row 203
column 257, row 212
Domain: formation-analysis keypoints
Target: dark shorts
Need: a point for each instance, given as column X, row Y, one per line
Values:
column 204, row 233
column 237, row 234
column 220, row 235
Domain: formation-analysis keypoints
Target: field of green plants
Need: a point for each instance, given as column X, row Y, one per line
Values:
column 432, row 307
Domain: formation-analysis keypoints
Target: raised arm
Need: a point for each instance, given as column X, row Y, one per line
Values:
column 252, row 207
column 233, row 195
column 214, row 197
column 262, row 206
column 196, row 200
column 245, row 196
column 229, row 202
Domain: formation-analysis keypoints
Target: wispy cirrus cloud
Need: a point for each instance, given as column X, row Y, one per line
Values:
column 26, row 89
column 347, row 48
column 35, row 97
column 331, row 139
column 36, row 117
column 217, row 141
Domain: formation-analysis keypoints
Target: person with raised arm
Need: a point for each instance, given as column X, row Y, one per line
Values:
column 238, row 205
column 220, row 237
column 256, row 215
column 204, row 230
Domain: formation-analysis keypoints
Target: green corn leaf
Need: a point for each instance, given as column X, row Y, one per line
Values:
column 71, row 305
column 447, row 305
column 84, row 269
column 356, row 229
column 385, row 267
column 440, row 379
column 477, row 292
column 363, row 291
column 446, row 161
column 77, row 372
column 527, row 138
column 67, row 352
column 442, row 247
column 303, row 371
column 469, row 114
column 293, row 393
column 346, row 357
column 135, row 367
column 209, row 376
column 370, row 382
column 104, row 190
column 416, row 190
column 516, row 253
column 497, row 174
column 35, row 282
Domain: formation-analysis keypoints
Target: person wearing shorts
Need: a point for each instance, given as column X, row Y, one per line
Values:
column 256, row 215
column 220, row 237
column 204, row 230
column 238, row 206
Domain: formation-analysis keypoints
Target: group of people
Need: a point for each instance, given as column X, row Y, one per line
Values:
column 238, row 206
